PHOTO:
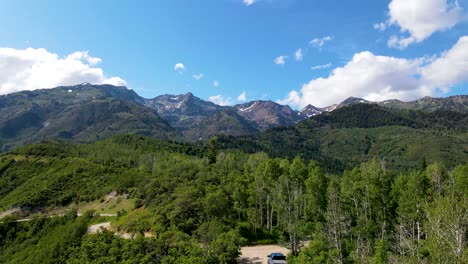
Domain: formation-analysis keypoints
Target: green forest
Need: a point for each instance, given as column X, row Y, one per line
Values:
column 201, row 202
column 346, row 137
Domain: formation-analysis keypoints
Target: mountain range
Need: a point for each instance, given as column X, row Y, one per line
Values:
column 87, row 112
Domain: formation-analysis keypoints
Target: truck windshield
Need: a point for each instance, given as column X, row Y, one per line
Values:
column 279, row 258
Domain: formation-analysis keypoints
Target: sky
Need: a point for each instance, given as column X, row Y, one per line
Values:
column 295, row 52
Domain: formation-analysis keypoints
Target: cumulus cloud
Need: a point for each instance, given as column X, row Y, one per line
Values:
column 198, row 76
column 420, row 19
column 220, row 100
column 378, row 78
column 293, row 98
column 249, row 2
column 242, row 97
column 448, row 69
column 320, row 42
column 179, row 67
column 215, row 83
column 298, row 55
column 31, row 69
column 280, row 60
column 319, row 67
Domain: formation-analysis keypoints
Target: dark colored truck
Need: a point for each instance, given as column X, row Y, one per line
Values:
column 277, row 258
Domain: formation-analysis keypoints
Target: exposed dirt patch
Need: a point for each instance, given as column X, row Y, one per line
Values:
column 12, row 211
column 107, row 225
column 258, row 254
column 97, row 227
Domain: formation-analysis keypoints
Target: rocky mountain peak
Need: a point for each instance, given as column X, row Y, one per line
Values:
column 310, row 111
column 353, row 100
column 268, row 114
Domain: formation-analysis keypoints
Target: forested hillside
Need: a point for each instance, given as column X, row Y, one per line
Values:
column 354, row 134
column 201, row 204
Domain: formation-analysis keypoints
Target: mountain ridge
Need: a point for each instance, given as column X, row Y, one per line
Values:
column 88, row 112
column 359, row 132
column 83, row 113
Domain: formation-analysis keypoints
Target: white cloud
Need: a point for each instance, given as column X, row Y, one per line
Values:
column 380, row 26
column 198, row 76
column 281, row 60
column 31, row 69
column 298, row 55
column 242, row 97
column 450, row 68
column 220, row 100
column 179, row 67
column 83, row 55
column 421, row 18
column 293, row 98
column 249, row 2
column 320, row 42
column 215, row 83
column 400, row 42
column 378, row 78
column 319, row 67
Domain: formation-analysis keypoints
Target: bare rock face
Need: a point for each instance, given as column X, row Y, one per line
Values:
column 310, row 111
column 82, row 112
column 184, row 111
column 457, row 103
column 267, row 114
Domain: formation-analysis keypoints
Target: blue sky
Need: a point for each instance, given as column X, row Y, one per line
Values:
column 346, row 48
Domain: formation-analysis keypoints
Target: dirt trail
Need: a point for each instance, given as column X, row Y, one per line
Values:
column 107, row 225
column 258, row 254
column 97, row 227
column 9, row 212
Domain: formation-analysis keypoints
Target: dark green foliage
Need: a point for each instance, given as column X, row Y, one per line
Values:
column 40, row 241
column 371, row 116
column 351, row 135
column 226, row 122
column 213, row 150
column 202, row 204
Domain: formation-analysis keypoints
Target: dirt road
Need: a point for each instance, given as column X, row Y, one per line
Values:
column 258, row 254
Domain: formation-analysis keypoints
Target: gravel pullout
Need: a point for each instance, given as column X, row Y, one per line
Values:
column 258, row 254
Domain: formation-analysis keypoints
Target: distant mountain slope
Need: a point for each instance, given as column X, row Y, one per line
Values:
column 372, row 115
column 88, row 112
column 197, row 118
column 226, row 122
column 83, row 113
column 183, row 111
column 355, row 133
column 458, row 103
column 267, row 114
column 311, row 110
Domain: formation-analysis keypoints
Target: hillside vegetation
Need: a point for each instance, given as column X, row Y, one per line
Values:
column 202, row 204
column 354, row 134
